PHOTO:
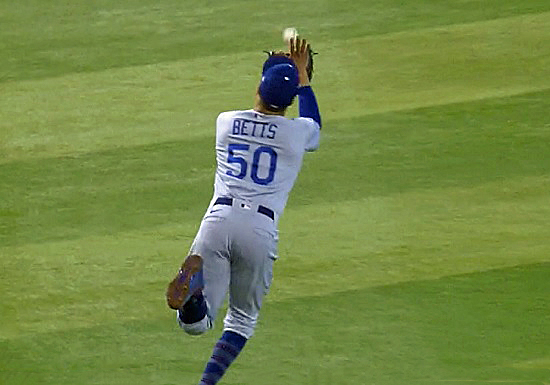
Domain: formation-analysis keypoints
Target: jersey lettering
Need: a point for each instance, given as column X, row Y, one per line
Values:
column 259, row 156
column 232, row 158
column 241, row 160
column 272, row 129
column 247, row 127
column 272, row 165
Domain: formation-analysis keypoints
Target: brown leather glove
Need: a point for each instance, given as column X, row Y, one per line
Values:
column 309, row 68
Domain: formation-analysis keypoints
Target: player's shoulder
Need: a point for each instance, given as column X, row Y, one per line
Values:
column 228, row 115
column 309, row 122
column 311, row 131
column 236, row 112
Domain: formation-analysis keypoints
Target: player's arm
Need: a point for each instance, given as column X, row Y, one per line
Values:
column 299, row 52
column 308, row 104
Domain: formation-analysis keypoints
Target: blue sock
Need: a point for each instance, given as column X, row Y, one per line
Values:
column 194, row 309
column 225, row 351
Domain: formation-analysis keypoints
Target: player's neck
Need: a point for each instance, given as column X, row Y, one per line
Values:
column 260, row 107
column 263, row 110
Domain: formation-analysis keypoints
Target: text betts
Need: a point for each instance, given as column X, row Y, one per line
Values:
column 252, row 128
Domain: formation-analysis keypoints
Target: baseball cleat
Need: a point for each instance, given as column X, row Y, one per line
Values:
column 178, row 289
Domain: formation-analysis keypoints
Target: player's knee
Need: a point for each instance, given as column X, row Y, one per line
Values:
column 240, row 323
column 196, row 328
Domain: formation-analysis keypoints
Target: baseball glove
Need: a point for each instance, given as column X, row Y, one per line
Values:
column 277, row 57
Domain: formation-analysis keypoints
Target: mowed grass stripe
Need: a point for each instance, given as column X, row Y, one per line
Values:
column 180, row 100
column 132, row 106
column 371, row 242
column 414, row 235
column 91, row 230
column 474, row 327
column 86, row 37
column 435, row 66
column 139, row 187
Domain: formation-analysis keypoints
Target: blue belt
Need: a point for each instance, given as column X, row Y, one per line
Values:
column 261, row 209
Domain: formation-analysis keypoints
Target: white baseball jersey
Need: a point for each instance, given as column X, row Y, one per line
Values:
column 259, row 156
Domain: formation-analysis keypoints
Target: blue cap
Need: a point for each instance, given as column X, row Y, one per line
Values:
column 279, row 85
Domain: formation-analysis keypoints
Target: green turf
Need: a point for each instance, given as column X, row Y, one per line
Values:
column 475, row 327
column 415, row 246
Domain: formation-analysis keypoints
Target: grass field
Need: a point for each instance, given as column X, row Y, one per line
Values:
column 415, row 248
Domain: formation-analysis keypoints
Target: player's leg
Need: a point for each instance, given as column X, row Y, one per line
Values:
column 251, row 277
column 224, row 353
column 252, row 256
column 184, row 294
column 200, row 286
column 186, row 282
column 192, row 316
column 252, row 261
column 207, row 301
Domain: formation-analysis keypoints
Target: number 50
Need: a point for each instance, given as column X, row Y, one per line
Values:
column 232, row 158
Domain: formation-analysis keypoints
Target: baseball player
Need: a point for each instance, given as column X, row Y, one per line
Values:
column 259, row 154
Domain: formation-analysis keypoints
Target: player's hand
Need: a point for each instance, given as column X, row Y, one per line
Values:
column 299, row 53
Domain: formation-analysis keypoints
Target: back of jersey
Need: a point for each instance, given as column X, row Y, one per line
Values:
column 259, row 156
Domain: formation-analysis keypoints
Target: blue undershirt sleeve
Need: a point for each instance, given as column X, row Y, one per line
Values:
column 308, row 104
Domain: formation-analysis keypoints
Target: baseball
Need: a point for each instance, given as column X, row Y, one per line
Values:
column 289, row 33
